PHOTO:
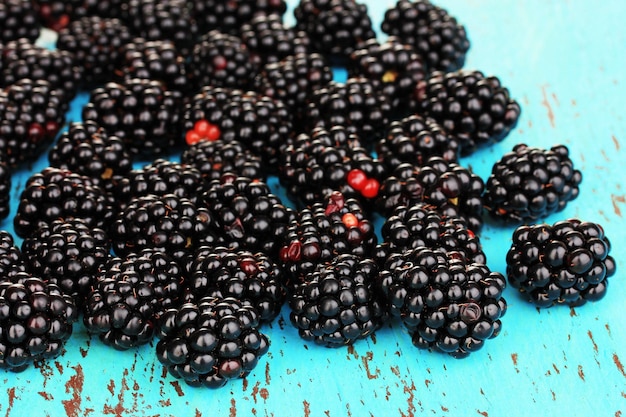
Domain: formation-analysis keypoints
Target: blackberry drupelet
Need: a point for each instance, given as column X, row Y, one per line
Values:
column 130, row 295
column 336, row 27
column 11, row 259
column 169, row 224
column 67, row 253
column 53, row 194
column 355, row 104
column 293, row 80
column 23, row 59
column 423, row 225
column 5, row 190
column 36, row 319
column 476, row 109
column 451, row 188
column 18, row 20
column 230, row 16
column 432, row 31
column 414, row 140
column 97, row 46
column 567, row 262
column 322, row 232
column 326, row 161
column 446, row 304
column 338, row 305
column 216, row 158
column 531, row 183
column 86, row 149
column 31, row 115
column 222, row 60
column 247, row 215
column 393, row 68
column 260, row 123
column 251, row 278
column 141, row 112
column 211, row 342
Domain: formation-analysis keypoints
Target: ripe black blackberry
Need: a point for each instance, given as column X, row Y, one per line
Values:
column 393, row 67
column 5, row 189
column 129, row 296
column 451, row 188
column 53, row 194
column 567, row 262
column 260, row 123
column 216, row 158
column 423, row 225
column 436, row 35
column 141, row 112
column 293, row 80
column 211, row 342
column 445, row 303
column 414, row 140
column 57, row 14
column 251, row 278
column 86, row 149
column 476, row 109
column 230, row 16
column 322, row 232
column 247, row 215
column 329, row 160
column 339, row 304
column 31, row 115
column 531, row 183
column 11, row 259
column 170, row 20
column 168, row 223
column 18, row 20
column 269, row 40
column 97, row 46
column 336, row 27
column 67, row 253
column 36, row 320
column 355, row 104
column 222, row 60
column 23, row 59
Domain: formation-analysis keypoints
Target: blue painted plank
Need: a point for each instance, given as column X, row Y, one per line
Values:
column 564, row 61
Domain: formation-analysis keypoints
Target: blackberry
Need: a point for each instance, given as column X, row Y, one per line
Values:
column 269, row 40
column 445, row 303
column 338, row 305
column 57, row 14
column 23, row 59
column 11, row 259
column 31, row 115
column 251, row 278
column 18, row 20
column 97, row 46
column 475, row 108
column 451, row 188
column 394, row 68
column 5, row 190
column 567, row 262
column 211, row 342
column 167, row 223
column 36, row 319
column 86, row 149
column 67, row 253
column 216, row 158
column 53, row 194
column 336, row 27
column 130, row 295
column 170, row 20
column 326, row 161
column 141, row 112
column 260, row 123
column 229, row 16
column 247, row 215
column 530, row 183
column 355, row 104
column 322, row 232
column 414, row 140
column 421, row 225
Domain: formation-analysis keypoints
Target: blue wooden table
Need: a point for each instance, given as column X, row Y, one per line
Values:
column 564, row 61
